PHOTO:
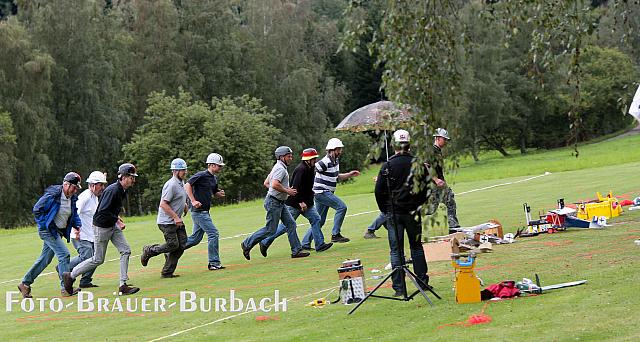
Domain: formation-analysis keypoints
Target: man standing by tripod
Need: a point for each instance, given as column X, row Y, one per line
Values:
column 396, row 200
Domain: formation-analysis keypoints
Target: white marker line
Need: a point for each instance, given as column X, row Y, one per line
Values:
column 328, row 219
column 234, row 316
column 503, row 184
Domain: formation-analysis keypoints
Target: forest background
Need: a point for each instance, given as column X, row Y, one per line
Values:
column 87, row 85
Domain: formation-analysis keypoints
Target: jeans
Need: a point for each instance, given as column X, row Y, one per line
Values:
column 85, row 251
column 314, row 220
column 52, row 245
column 175, row 238
column 378, row 222
column 276, row 212
column 324, row 201
column 202, row 224
column 397, row 227
column 101, row 240
column 444, row 195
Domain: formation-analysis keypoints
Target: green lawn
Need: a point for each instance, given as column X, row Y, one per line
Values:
column 606, row 308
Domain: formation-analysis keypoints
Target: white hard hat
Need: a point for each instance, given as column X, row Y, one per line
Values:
column 441, row 132
column 333, row 144
column 401, row 136
column 97, row 177
column 215, row 158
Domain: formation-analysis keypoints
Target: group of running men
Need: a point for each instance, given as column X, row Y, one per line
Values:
column 92, row 219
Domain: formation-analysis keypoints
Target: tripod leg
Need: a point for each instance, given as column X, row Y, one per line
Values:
column 426, row 286
column 415, row 282
column 372, row 291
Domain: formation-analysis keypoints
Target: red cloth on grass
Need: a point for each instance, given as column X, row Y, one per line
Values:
column 505, row 289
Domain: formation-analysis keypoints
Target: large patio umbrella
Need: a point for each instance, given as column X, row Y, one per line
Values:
column 381, row 115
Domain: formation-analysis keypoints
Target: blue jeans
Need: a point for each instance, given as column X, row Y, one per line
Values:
column 52, row 245
column 314, row 220
column 276, row 212
column 324, row 201
column 85, row 251
column 378, row 222
column 397, row 227
column 202, row 224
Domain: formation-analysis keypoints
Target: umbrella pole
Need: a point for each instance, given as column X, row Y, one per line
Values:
column 386, row 145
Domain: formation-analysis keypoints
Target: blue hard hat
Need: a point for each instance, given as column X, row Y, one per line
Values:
column 178, row 164
column 282, row 151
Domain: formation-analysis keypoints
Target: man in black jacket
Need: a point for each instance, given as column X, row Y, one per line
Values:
column 397, row 201
column 108, row 226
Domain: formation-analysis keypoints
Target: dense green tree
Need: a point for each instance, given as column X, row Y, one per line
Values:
column 25, row 86
column 240, row 129
column 155, row 62
column 91, row 90
column 274, row 50
column 606, row 85
column 8, row 160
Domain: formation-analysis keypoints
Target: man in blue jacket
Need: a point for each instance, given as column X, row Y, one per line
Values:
column 56, row 214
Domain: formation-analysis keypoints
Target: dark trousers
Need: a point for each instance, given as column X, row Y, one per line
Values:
column 397, row 225
column 175, row 238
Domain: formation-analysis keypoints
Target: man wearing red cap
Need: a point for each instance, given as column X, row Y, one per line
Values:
column 56, row 214
column 302, row 202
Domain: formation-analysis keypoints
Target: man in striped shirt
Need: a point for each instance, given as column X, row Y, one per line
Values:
column 324, row 186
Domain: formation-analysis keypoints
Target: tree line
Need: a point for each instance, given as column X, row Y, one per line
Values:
column 86, row 85
column 77, row 80
column 504, row 74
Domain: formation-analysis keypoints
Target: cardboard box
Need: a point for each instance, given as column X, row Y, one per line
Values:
column 440, row 249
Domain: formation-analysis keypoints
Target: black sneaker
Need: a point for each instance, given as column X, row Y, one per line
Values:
column 306, row 248
column 399, row 293
column 324, row 247
column 214, row 267
column 127, row 290
column 68, row 282
column 146, row 255
column 169, row 276
column 300, row 254
column 370, row 234
column 263, row 249
column 86, row 286
column 245, row 251
column 25, row 290
column 64, row 292
column 339, row 238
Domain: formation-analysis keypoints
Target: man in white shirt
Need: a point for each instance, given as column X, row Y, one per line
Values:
column 82, row 239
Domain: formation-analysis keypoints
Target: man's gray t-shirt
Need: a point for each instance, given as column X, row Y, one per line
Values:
column 62, row 216
column 280, row 173
column 174, row 193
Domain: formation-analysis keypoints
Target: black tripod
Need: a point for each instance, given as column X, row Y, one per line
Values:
column 402, row 268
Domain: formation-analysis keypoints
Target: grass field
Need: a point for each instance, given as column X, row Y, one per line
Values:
column 606, row 308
